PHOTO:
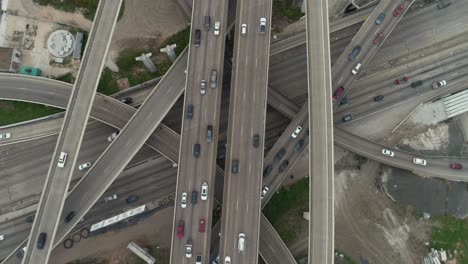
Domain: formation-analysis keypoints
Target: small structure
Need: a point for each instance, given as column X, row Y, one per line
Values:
column 78, row 46
column 25, row 70
column 141, row 253
column 9, row 60
column 145, row 58
column 169, row 49
column 61, row 43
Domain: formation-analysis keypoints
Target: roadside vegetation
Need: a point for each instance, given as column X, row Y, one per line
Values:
column 135, row 71
column 86, row 7
column 451, row 234
column 13, row 112
column 285, row 210
column 284, row 9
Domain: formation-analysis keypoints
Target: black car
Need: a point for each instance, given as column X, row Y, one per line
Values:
column 127, row 100
column 196, row 150
column 235, row 166
column 344, row 101
column 190, row 112
column 132, row 199
column 256, row 140
column 279, row 155
column 378, row 98
column 267, row 170
column 30, row 219
column 283, row 166
column 41, row 240
column 194, row 197
column 197, row 39
column 416, row 84
column 69, row 216
column 299, row 145
column 352, row 56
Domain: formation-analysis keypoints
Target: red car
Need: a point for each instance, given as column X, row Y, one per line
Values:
column 401, row 80
column 456, row 166
column 338, row 93
column 180, row 229
column 201, row 226
column 378, row 38
column 397, row 10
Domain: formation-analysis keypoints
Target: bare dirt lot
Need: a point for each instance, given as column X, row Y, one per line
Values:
column 156, row 229
column 369, row 226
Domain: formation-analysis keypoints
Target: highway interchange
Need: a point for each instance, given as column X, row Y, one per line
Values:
column 405, row 158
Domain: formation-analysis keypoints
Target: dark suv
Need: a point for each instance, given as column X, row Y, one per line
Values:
column 267, row 170
column 416, row 83
column 41, row 240
column 283, row 166
column 194, row 197
column 279, row 155
column 196, row 150
column 256, row 140
column 69, row 216
column 352, row 56
column 235, row 166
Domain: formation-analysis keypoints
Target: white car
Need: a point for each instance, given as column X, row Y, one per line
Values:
column 203, row 87
column 264, row 191
column 204, row 191
column 183, row 200
column 188, row 249
column 2, row 237
column 262, row 25
column 356, row 68
column 216, row 260
column 217, row 25
column 387, row 152
column 110, row 198
column 84, row 166
column 198, row 260
column 419, row 161
column 112, row 136
column 244, row 30
column 439, row 84
column 227, row 260
column 296, row 132
column 5, row 135
column 62, row 159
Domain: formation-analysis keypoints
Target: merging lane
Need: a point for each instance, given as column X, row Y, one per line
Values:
column 73, row 128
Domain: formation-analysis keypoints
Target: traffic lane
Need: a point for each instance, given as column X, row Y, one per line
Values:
column 399, row 98
column 205, row 117
column 347, row 79
column 125, row 145
column 164, row 182
column 363, row 33
column 270, row 249
column 436, row 165
column 430, row 67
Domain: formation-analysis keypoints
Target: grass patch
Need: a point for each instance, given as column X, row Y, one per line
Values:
column 284, row 9
column 180, row 38
column 360, row 159
column 12, row 112
column 68, row 78
column 451, row 234
column 87, row 7
column 135, row 71
column 287, row 206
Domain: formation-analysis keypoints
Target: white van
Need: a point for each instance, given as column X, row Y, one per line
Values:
column 241, row 243
column 62, row 159
column 356, row 68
